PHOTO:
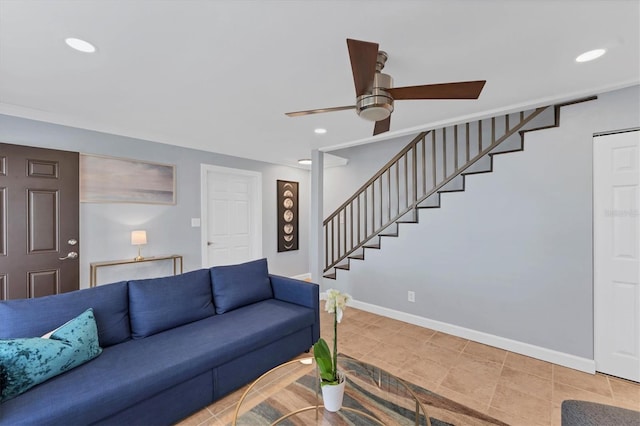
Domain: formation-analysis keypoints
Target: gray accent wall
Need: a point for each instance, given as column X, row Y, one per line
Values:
column 105, row 228
column 512, row 255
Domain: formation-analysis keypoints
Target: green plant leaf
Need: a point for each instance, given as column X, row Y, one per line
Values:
column 322, row 354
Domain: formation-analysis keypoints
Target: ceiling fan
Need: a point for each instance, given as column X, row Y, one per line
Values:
column 375, row 92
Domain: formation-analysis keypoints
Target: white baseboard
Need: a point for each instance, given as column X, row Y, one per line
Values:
column 538, row 352
column 303, row 277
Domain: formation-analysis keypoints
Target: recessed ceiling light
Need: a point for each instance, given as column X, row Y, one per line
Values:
column 320, row 131
column 591, row 55
column 80, row 45
column 304, row 161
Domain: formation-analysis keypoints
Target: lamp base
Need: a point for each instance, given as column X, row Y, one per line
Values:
column 139, row 257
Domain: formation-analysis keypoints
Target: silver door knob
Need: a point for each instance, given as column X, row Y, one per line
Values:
column 71, row 255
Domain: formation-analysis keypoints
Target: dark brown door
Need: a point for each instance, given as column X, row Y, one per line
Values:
column 39, row 212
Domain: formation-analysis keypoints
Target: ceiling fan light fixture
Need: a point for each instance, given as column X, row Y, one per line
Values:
column 305, row 161
column 375, row 106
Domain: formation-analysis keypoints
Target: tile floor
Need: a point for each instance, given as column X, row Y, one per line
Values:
column 510, row 387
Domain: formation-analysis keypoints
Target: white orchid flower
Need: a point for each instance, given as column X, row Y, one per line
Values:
column 336, row 302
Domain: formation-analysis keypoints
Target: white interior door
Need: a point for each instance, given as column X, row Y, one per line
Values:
column 232, row 216
column 616, row 249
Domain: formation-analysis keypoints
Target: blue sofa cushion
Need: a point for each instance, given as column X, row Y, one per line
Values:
column 158, row 304
column 28, row 362
column 239, row 285
column 35, row 317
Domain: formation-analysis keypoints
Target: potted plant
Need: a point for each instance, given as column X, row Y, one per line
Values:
column 331, row 380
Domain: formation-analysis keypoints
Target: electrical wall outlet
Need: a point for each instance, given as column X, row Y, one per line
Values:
column 411, row 296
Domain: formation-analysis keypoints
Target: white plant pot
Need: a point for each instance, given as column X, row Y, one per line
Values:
column 332, row 395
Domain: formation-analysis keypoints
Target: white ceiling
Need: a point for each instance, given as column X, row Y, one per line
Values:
column 219, row 75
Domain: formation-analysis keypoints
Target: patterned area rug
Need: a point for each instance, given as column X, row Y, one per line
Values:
column 386, row 400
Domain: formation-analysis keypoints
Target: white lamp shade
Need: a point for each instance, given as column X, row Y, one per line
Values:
column 138, row 237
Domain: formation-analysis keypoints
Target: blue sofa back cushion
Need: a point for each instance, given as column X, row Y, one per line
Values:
column 158, row 304
column 25, row 363
column 35, row 317
column 239, row 285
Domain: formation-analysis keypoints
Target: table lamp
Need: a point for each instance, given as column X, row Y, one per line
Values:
column 138, row 238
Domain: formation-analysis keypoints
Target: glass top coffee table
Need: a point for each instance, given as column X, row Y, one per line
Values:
column 290, row 394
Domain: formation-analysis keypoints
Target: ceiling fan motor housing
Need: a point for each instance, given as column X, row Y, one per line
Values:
column 377, row 104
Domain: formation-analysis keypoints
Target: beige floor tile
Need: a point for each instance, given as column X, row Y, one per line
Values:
column 625, row 391
column 430, row 370
column 360, row 315
column 405, row 342
column 479, row 387
column 556, row 415
column 390, row 323
column 443, row 356
column 196, row 418
column 214, row 421
column 475, row 364
column 374, row 331
column 530, row 365
column 421, row 380
column 485, row 351
column 418, row 333
column 515, row 420
column 522, row 404
column 527, row 383
column 391, row 353
column 448, row 341
column 228, row 401
column 562, row 392
column 463, row 399
column 596, row 383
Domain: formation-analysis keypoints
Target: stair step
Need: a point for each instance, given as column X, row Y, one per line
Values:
column 431, row 202
column 483, row 165
column 512, row 144
column 455, row 185
column 409, row 217
column 344, row 266
column 357, row 255
column 388, row 234
column 372, row 246
column 545, row 120
column 331, row 276
column 390, row 231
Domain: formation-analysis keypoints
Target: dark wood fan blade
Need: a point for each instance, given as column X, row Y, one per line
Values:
column 459, row 90
column 363, row 55
column 318, row 111
column 382, row 126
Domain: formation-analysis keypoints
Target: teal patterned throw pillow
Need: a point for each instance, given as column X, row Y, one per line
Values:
column 25, row 363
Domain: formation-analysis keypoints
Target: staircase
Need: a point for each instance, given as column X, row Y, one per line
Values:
column 434, row 162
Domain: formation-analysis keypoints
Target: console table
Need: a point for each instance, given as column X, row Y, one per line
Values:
column 93, row 267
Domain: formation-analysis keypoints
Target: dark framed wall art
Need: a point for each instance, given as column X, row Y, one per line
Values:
column 287, row 199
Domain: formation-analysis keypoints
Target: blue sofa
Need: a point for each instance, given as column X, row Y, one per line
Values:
column 171, row 345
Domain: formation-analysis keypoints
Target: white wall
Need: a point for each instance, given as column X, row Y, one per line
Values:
column 511, row 256
column 105, row 228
